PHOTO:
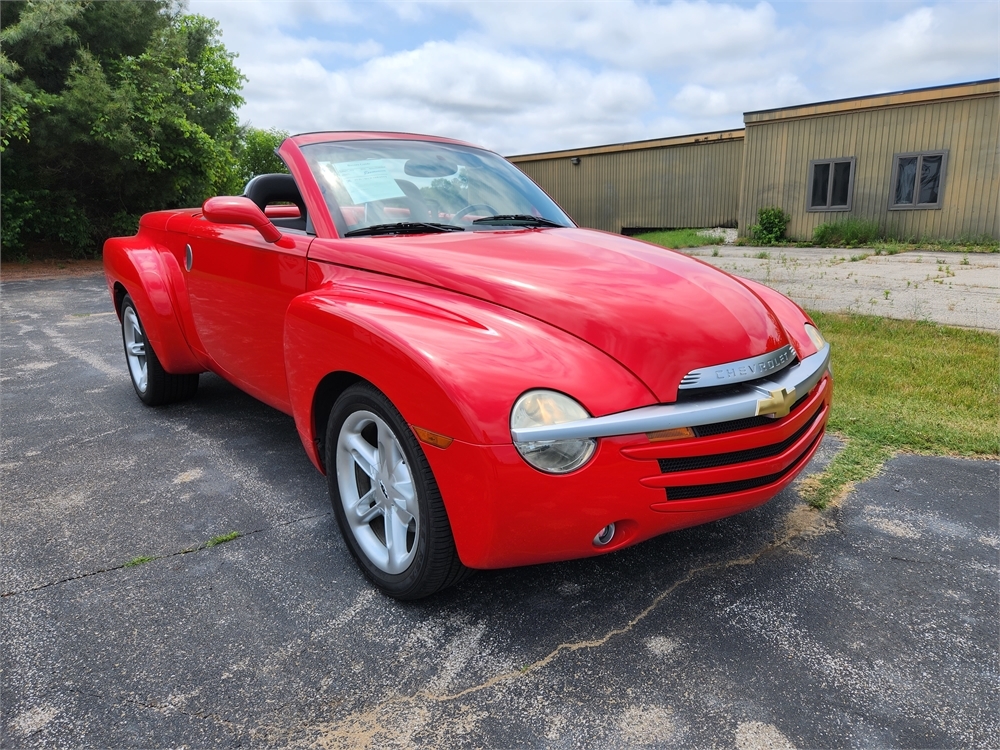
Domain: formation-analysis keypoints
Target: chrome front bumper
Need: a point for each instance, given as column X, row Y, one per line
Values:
column 774, row 396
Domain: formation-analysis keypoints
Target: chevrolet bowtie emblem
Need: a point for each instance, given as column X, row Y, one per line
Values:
column 777, row 404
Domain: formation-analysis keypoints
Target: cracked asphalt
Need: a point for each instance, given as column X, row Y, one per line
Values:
column 875, row 623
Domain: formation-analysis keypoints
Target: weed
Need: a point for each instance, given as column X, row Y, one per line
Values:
column 771, row 225
column 763, row 255
column 715, row 252
column 860, row 256
column 140, row 560
column 846, row 232
column 676, row 238
column 886, row 294
column 965, row 260
column 222, row 539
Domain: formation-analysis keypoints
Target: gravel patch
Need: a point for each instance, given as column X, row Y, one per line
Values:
column 727, row 235
column 948, row 288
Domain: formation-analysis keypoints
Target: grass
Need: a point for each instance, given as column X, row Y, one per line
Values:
column 213, row 542
column 222, row 539
column 852, row 232
column 906, row 386
column 675, row 238
column 855, row 232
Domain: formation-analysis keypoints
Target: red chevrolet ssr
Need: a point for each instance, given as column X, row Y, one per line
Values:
column 483, row 383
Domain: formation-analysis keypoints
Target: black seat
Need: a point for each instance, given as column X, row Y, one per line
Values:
column 265, row 189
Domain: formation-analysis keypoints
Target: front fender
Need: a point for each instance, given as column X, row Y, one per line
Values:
column 137, row 265
column 451, row 364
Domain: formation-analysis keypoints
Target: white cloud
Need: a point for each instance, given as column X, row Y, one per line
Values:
column 638, row 36
column 701, row 101
column 502, row 100
column 933, row 44
column 526, row 76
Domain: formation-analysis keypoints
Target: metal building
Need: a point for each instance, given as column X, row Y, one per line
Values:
column 920, row 163
column 688, row 181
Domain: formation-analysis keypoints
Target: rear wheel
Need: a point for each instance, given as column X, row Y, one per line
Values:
column 153, row 385
column 387, row 503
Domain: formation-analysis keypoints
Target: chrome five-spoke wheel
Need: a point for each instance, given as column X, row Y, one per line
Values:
column 376, row 490
column 153, row 385
column 384, row 496
column 135, row 348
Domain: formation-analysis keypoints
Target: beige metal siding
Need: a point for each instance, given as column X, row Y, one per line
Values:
column 780, row 145
column 690, row 184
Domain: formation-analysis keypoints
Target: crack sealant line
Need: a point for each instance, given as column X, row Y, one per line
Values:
column 229, row 725
column 790, row 533
column 188, row 551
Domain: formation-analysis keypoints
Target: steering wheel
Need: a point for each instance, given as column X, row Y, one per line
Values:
column 462, row 213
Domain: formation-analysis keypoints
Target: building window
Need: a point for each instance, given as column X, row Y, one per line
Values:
column 918, row 180
column 831, row 184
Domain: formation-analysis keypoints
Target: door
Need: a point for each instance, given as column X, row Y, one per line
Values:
column 240, row 287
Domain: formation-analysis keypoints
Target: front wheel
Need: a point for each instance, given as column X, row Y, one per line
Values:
column 153, row 385
column 387, row 503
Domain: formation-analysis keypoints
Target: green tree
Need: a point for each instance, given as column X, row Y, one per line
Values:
column 256, row 153
column 110, row 109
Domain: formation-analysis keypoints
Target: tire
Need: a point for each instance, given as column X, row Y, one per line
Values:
column 386, row 501
column 153, row 385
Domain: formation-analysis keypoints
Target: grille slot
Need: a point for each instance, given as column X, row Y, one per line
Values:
column 688, row 463
column 693, row 491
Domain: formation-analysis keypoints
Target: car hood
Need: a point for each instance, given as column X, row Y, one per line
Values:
column 657, row 312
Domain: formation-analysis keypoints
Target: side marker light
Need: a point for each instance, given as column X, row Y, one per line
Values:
column 433, row 438
column 677, row 433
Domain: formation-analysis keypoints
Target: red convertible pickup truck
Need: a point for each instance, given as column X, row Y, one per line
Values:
column 483, row 383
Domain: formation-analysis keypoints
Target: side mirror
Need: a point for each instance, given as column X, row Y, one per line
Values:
column 239, row 210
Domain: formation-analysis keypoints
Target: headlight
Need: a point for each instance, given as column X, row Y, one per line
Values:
column 815, row 336
column 537, row 408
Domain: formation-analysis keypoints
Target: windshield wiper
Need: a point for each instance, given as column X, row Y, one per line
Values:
column 403, row 227
column 516, row 220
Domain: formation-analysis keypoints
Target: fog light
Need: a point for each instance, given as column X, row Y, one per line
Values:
column 604, row 536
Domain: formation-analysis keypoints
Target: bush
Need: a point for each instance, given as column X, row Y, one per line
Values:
column 847, row 232
column 109, row 110
column 770, row 226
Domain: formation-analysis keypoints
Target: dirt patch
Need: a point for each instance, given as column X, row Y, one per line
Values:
column 49, row 269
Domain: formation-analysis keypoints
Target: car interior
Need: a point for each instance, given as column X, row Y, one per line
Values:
column 278, row 197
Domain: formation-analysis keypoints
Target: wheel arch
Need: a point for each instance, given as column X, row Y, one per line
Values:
column 450, row 364
column 134, row 266
column 327, row 392
column 329, row 348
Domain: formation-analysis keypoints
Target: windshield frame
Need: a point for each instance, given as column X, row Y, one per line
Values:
column 494, row 176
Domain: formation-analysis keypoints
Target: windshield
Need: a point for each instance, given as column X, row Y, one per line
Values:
column 396, row 187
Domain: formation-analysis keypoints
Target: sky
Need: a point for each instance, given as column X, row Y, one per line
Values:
column 523, row 77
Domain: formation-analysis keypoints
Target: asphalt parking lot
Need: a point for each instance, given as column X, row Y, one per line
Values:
column 875, row 623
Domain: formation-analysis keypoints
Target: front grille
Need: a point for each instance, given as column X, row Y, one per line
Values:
column 735, row 425
column 726, row 389
column 688, row 463
column 692, row 491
